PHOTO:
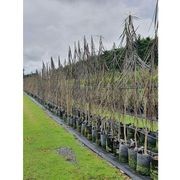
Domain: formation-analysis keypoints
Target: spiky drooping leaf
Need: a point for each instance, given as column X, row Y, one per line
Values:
column 69, row 56
column 52, row 64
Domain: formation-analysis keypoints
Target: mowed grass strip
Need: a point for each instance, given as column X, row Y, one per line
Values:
column 42, row 138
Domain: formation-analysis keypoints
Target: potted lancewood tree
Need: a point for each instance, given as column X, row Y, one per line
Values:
column 129, row 63
column 112, row 96
column 68, row 89
column 76, row 87
column 132, row 151
column 143, row 158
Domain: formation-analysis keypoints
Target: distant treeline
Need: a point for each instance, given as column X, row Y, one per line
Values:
column 142, row 46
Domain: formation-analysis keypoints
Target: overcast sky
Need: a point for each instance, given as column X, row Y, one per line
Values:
column 50, row 26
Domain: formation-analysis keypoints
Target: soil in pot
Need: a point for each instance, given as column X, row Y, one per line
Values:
column 132, row 158
column 143, row 164
column 123, row 153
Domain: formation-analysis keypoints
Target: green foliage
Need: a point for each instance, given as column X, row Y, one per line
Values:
column 142, row 45
column 143, row 170
column 154, row 174
column 107, row 56
column 132, row 162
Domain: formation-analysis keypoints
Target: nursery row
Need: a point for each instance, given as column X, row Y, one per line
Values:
column 107, row 138
column 97, row 100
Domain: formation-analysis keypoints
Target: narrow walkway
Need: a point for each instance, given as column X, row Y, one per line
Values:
column 94, row 147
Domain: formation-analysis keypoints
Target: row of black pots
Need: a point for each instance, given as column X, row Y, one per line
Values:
column 152, row 142
column 129, row 129
column 142, row 163
column 151, row 139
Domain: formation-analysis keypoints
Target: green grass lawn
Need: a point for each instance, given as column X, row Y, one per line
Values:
column 42, row 138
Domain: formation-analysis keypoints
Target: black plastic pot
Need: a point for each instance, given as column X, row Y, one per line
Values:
column 74, row 122
column 103, row 140
column 70, row 121
column 115, row 147
column 89, row 136
column 65, row 117
column 154, row 168
column 123, row 153
column 109, row 144
column 61, row 114
column 98, row 137
column 94, row 134
column 143, row 164
column 141, row 137
column 130, row 132
column 89, row 132
column 78, row 124
column 132, row 158
column 89, row 129
column 58, row 112
column 83, row 128
column 122, row 131
column 78, row 113
column 85, row 131
column 151, row 140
